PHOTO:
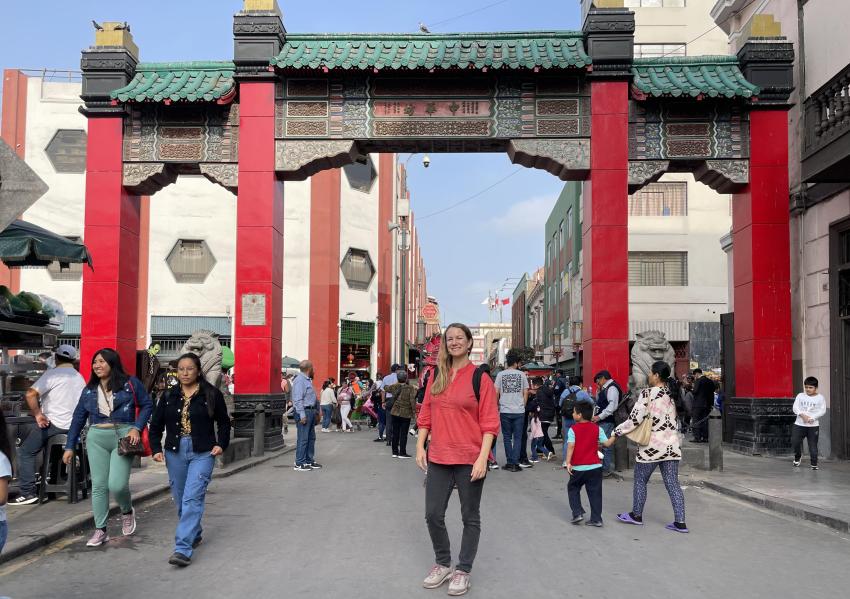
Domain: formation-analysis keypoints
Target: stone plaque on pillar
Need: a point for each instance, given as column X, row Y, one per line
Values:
column 253, row 309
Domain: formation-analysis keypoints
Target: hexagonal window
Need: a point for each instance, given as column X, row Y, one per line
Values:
column 190, row 260
column 361, row 175
column 67, row 151
column 68, row 272
column 357, row 268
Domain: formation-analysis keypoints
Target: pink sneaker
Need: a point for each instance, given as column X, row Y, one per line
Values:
column 98, row 538
column 128, row 523
column 459, row 584
column 437, row 576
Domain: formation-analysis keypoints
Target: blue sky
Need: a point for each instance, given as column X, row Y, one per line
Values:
column 469, row 249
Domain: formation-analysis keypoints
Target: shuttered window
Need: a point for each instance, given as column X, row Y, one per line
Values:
column 190, row 260
column 357, row 269
column 658, row 269
column 668, row 198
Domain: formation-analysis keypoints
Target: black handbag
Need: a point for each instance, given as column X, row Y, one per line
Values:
column 125, row 447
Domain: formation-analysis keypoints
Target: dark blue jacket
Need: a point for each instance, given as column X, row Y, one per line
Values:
column 123, row 412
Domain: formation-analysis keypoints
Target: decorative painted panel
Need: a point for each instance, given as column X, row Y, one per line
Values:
column 182, row 133
column 360, row 107
column 688, row 131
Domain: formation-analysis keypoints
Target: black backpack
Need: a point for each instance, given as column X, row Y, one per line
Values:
column 476, row 383
column 569, row 404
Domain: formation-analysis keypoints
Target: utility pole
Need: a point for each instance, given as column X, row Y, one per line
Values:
column 403, row 249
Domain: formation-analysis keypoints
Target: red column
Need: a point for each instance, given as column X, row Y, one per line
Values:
column 259, row 245
column 605, row 292
column 13, row 129
column 110, row 291
column 144, row 271
column 324, row 273
column 386, row 190
column 761, row 262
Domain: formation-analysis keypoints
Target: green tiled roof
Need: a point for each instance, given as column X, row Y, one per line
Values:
column 178, row 81
column 513, row 50
column 714, row 76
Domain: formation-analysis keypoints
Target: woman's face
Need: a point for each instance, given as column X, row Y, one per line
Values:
column 101, row 367
column 187, row 372
column 457, row 343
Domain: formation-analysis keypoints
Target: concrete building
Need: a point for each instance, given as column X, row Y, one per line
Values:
column 332, row 224
column 521, row 308
column 819, row 191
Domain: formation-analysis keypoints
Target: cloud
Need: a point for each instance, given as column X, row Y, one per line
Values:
column 523, row 218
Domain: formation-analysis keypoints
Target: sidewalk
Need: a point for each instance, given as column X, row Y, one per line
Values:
column 34, row 526
column 774, row 483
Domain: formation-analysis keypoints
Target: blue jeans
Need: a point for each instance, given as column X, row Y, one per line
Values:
column 327, row 411
column 305, row 447
column 382, row 419
column 536, row 445
column 32, row 445
column 568, row 424
column 4, row 531
column 607, row 452
column 512, row 434
column 189, row 473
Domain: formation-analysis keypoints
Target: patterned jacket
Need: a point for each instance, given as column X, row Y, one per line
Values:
column 405, row 400
column 664, row 444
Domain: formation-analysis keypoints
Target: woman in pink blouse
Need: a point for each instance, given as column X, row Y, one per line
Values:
column 460, row 428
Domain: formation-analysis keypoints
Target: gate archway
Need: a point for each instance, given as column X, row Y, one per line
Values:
column 573, row 103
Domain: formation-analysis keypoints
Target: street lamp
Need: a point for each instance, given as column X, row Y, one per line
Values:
column 556, row 346
column 420, row 331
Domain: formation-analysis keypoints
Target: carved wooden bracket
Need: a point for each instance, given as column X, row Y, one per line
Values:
column 224, row 174
column 147, row 178
column 567, row 159
column 296, row 160
column 644, row 172
column 724, row 176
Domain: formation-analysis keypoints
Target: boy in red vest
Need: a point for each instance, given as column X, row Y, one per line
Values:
column 584, row 464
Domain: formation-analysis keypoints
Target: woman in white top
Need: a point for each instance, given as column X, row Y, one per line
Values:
column 345, row 398
column 327, row 403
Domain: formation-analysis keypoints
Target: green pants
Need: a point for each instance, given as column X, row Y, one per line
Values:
column 110, row 472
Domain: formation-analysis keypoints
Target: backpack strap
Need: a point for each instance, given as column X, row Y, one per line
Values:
column 476, row 382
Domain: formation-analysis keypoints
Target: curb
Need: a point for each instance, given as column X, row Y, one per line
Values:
column 782, row 506
column 56, row 531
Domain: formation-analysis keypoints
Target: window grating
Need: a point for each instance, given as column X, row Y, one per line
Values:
column 662, row 269
column 669, row 198
column 357, row 332
column 190, row 260
column 357, row 269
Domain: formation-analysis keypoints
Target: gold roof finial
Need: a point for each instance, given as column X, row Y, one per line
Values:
column 112, row 34
column 609, row 3
column 763, row 25
column 260, row 6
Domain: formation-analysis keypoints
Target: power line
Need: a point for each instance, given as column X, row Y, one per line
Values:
column 472, row 197
column 466, row 14
column 704, row 33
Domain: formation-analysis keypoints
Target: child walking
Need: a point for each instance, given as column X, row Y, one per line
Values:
column 808, row 406
column 536, row 437
column 584, row 464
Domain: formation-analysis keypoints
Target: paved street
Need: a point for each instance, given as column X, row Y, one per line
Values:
column 356, row 529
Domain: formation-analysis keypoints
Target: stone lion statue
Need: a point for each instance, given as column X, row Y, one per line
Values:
column 650, row 347
column 206, row 346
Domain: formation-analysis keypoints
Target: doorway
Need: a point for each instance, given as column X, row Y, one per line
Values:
column 839, row 310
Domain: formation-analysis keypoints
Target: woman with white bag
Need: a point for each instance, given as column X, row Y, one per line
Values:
column 652, row 424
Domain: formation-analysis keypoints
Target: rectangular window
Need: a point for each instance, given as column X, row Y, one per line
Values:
column 570, row 223
column 659, row 50
column 654, row 3
column 669, row 198
column 561, row 235
column 661, row 269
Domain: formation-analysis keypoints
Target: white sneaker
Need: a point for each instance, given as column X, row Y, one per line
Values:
column 436, row 577
column 459, row 583
column 796, row 462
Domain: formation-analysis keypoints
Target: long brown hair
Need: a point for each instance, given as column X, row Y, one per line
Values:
column 444, row 359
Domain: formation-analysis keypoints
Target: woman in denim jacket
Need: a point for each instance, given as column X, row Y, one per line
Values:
column 109, row 403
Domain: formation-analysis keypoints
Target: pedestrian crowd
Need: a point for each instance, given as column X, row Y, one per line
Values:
column 456, row 414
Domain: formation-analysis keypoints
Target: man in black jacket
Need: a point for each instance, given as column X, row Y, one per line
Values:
column 703, row 402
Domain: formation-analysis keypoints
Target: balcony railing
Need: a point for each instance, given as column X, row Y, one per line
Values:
column 827, row 115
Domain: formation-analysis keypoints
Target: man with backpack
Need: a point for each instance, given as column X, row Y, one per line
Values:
column 569, row 397
column 609, row 397
column 512, row 394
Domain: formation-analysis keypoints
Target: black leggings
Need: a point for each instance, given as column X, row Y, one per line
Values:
column 399, row 436
column 440, row 481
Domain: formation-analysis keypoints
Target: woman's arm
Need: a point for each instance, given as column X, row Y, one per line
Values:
column 4, row 489
column 421, row 455
column 222, row 419
column 78, row 421
column 144, row 402
column 639, row 412
column 157, row 426
column 479, row 468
